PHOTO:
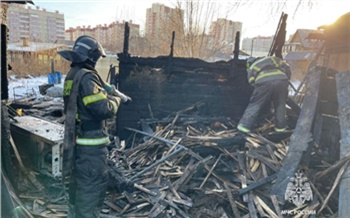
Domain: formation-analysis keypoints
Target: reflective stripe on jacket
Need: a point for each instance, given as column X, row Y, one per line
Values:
column 268, row 68
column 93, row 103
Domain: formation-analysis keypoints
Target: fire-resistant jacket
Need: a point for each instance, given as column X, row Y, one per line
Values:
column 267, row 69
column 93, row 107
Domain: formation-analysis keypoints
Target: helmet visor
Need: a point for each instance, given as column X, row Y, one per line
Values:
column 102, row 51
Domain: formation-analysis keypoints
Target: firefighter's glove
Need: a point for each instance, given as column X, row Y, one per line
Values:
column 119, row 94
column 127, row 185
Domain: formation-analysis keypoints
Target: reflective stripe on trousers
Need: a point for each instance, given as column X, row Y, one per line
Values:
column 93, row 141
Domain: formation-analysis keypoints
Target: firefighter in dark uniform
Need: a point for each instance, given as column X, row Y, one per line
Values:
column 269, row 76
column 86, row 106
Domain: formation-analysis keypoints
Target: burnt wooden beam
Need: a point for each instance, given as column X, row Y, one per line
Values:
column 179, row 63
column 236, row 49
column 4, row 81
column 172, row 45
column 126, row 39
column 279, row 38
column 232, row 201
column 301, row 136
column 257, row 184
column 343, row 92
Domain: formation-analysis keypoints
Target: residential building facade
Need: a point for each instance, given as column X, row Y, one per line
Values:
column 35, row 24
column 110, row 36
column 300, row 50
column 224, row 32
column 73, row 33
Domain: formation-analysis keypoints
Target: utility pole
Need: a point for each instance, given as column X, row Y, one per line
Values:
column 251, row 49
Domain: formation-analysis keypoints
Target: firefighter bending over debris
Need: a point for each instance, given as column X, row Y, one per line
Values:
column 269, row 76
column 86, row 107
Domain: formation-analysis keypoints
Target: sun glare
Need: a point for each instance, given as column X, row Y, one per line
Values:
column 324, row 13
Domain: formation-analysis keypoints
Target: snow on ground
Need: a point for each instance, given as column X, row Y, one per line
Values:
column 27, row 87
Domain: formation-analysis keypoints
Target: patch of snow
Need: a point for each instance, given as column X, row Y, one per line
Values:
column 55, row 91
column 27, row 87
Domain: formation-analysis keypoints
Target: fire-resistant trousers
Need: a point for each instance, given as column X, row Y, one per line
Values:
column 275, row 92
column 89, row 182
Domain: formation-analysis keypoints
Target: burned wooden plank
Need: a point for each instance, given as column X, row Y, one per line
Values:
column 180, row 201
column 242, row 166
column 232, row 201
column 210, row 171
column 251, row 207
column 257, row 184
column 276, row 205
column 335, row 184
column 130, row 198
column 269, row 149
column 159, row 205
column 113, row 206
column 333, row 167
column 318, row 194
column 187, row 175
column 265, row 207
column 57, row 207
column 138, row 208
column 343, row 92
column 268, row 162
column 301, row 135
column 158, row 208
column 125, row 208
column 141, row 188
column 259, row 207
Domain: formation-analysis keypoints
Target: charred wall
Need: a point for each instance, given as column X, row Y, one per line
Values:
column 159, row 92
column 326, row 130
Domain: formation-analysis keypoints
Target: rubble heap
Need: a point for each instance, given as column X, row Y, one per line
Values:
column 222, row 174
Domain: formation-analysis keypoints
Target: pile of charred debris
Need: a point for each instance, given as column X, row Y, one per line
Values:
column 185, row 165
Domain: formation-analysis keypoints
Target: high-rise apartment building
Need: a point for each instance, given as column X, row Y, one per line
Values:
column 35, row 24
column 160, row 16
column 224, row 31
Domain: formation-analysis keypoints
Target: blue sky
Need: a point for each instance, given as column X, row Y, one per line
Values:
column 259, row 17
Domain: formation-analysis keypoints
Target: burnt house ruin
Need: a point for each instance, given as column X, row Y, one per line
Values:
column 163, row 85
